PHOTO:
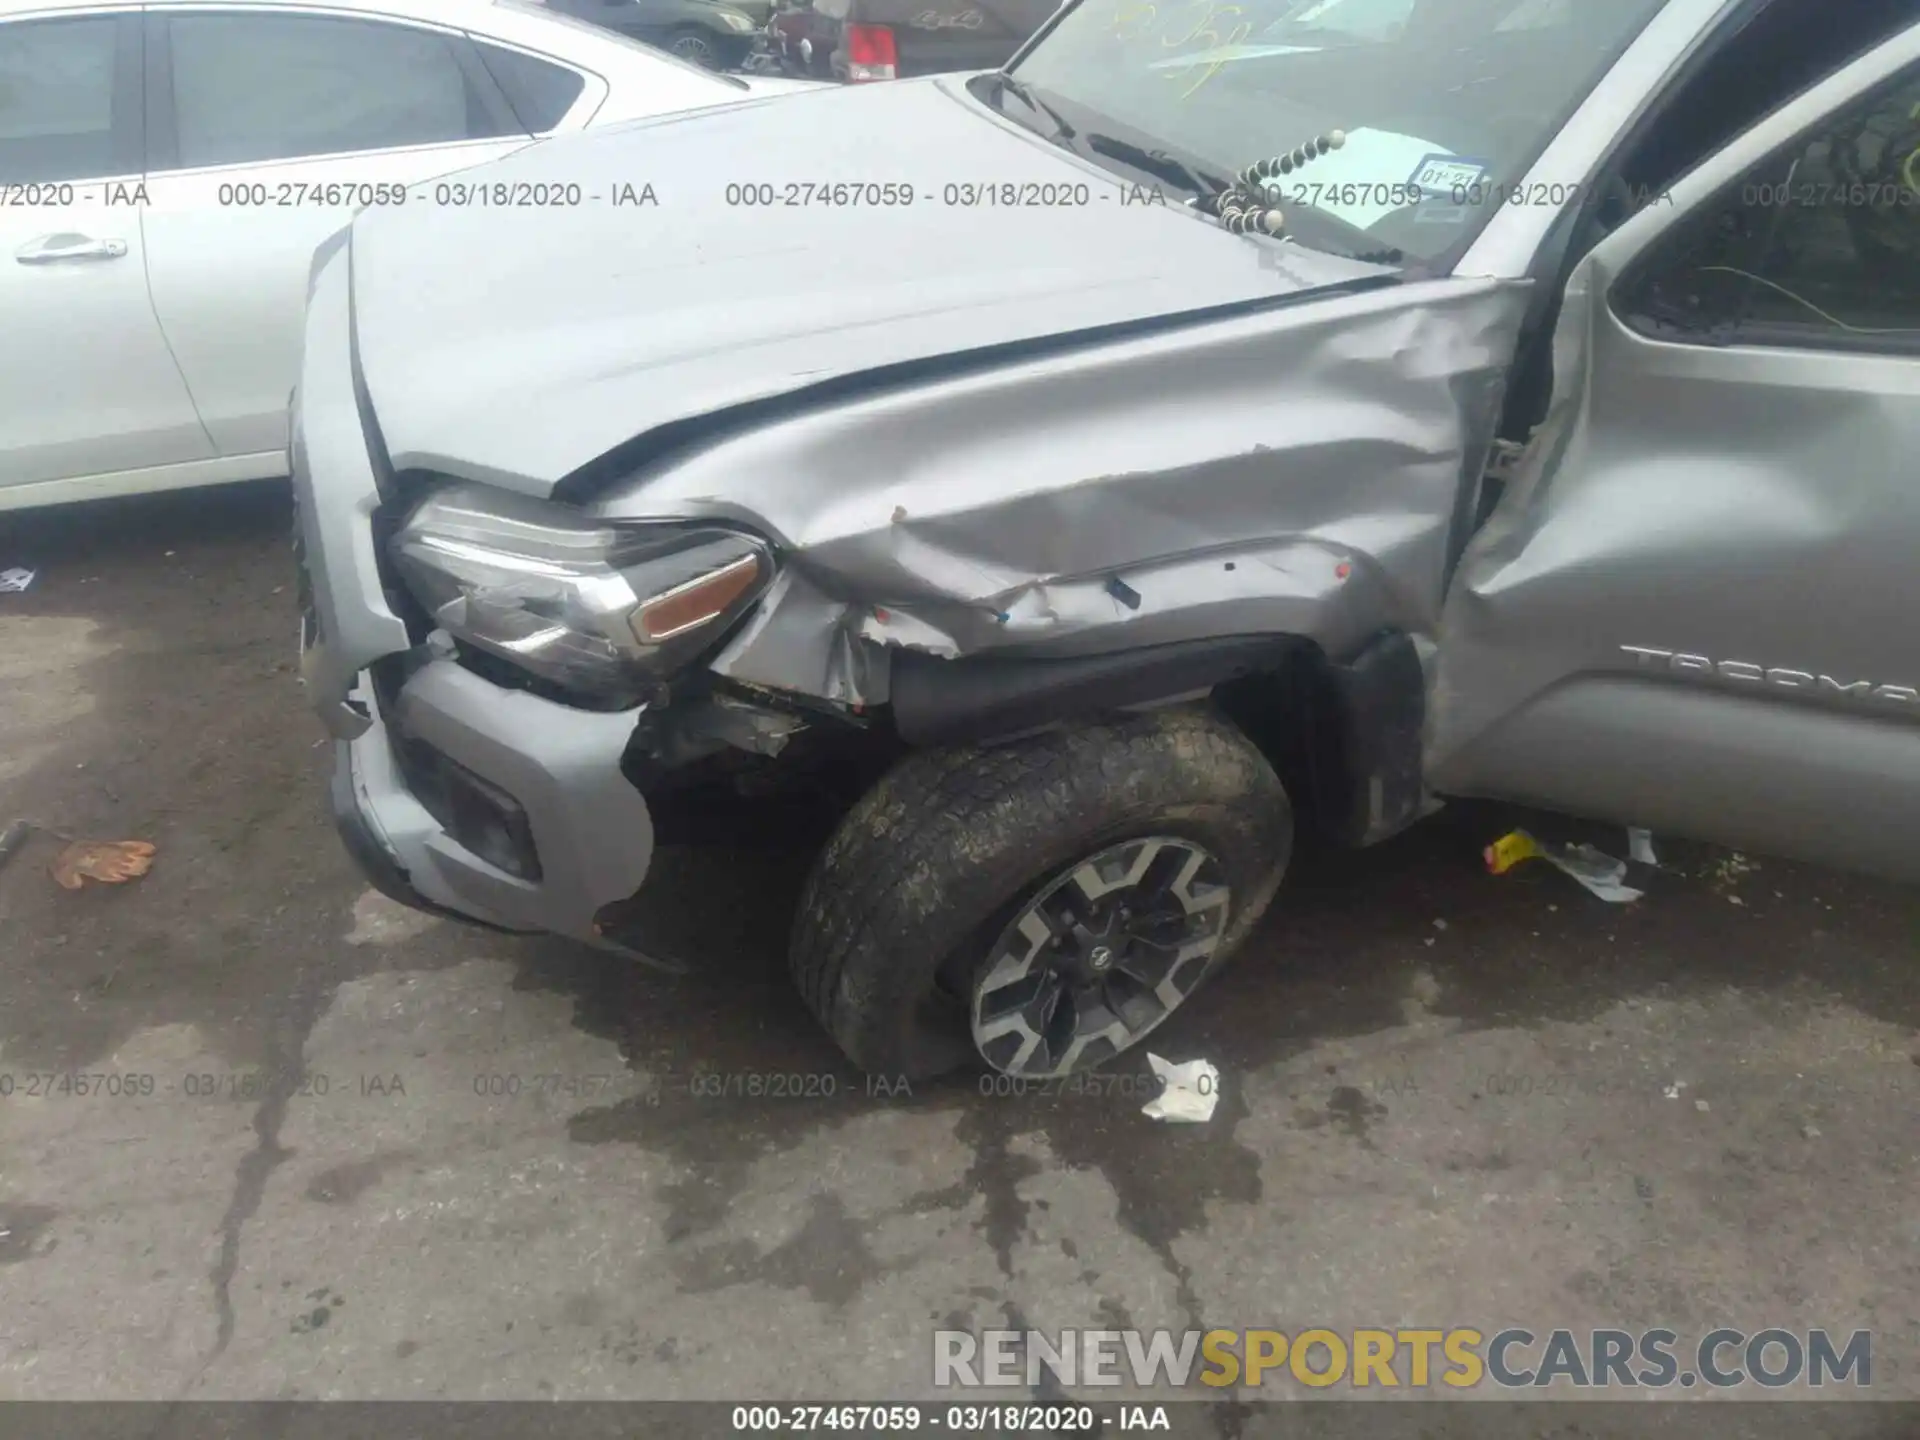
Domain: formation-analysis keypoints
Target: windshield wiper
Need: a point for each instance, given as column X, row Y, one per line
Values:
column 1158, row 164
column 1242, row 202
column 1063, row 133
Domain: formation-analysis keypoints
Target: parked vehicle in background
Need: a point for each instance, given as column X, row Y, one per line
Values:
column 801, row 40
column 1136, row 459
column 717, row 34
column 856, row 40
column 166, row 172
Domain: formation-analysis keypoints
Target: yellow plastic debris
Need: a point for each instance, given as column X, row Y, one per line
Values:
column 1509, row 850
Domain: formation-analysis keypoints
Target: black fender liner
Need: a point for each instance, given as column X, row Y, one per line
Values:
column 1380, row 701
column 979, row 698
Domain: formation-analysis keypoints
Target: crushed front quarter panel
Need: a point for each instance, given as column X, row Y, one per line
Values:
column 1299, row 471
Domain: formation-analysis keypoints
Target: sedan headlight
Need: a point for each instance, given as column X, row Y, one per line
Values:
column 595, row 607
column 736, row 22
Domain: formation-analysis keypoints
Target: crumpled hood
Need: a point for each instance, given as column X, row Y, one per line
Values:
column 516, row 343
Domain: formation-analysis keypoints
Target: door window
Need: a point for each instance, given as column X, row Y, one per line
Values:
column 57, row 98
column 540, row 92
column 255, row 87
column 1817, row 247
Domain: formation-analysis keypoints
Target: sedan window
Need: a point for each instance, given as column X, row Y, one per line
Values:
column 254, row 87
column 541, row 93
column 56, row 99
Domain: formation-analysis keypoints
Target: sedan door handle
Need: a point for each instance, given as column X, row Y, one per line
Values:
column 49, row 249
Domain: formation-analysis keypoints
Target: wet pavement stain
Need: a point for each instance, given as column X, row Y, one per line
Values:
column 827, row 1257
column 293, row 1022
column 344, row 1183
column 1488, row 1164
column 1353, row 1113
column 21, row 1225
column 993, row 1176
column 321, row 1314
column 313, row 1320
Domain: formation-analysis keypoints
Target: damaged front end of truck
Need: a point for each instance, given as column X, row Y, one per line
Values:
column 1265, row 501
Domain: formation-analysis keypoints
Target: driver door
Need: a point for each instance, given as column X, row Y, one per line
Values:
column 1694, row 607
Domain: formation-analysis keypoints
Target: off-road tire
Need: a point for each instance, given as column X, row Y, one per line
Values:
column 930, row 864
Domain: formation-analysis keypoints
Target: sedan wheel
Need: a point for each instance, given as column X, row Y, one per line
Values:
column 692, row 45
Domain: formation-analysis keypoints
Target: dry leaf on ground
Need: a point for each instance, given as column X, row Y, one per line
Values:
column 111, row 862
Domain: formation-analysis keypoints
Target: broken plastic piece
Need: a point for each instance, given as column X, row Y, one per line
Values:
column 1601, row 874
column 1188, row 1091
column 1640, row 847
column 12, row 582
column 1123, row 592
column 111, row 862
column 1509, row 850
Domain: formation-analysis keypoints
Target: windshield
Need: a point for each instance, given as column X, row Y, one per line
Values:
column 1444, row 104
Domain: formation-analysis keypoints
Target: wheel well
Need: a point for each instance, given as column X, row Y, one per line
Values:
column 1292, row 713
column 1343, row 736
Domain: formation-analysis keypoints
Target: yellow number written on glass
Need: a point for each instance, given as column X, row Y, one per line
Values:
column 1234, row 37
column 1132, row 20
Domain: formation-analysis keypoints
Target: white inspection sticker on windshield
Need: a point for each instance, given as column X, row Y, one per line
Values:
column 1444, row 176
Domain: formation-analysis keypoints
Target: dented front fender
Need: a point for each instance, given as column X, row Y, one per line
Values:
column 1306, row 470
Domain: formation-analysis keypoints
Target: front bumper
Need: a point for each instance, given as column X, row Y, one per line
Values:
column 588, row 829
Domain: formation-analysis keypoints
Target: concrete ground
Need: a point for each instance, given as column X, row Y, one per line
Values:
column 386, row 1156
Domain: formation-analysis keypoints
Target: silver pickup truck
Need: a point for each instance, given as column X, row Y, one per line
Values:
column 1126, row 461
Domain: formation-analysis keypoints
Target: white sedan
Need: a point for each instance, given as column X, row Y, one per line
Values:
column 167, row 170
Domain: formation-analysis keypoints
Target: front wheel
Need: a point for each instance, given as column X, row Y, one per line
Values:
column 1040, row 906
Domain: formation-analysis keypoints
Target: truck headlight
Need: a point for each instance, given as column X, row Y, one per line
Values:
column 597, row 608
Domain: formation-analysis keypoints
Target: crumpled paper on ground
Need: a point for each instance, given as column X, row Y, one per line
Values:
column 13, row 581
column 1600, row 873
column 1188, row 1091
